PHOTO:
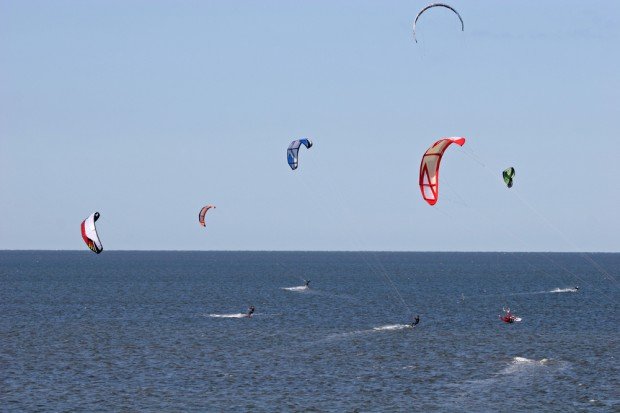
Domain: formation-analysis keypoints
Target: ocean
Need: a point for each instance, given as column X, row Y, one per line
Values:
column 166, row 331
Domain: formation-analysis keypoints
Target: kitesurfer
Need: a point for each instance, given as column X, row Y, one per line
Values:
column 307, row 283
column 250, row 311
column 507, row 317
column 415, row 321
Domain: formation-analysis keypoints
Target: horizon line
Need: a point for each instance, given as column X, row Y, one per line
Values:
column 313, row 251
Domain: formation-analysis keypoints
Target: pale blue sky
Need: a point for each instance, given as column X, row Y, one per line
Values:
column 147, row 110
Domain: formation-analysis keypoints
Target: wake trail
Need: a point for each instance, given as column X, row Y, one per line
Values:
column 232, row 315
column 355, row 333
column 299, row 289
column 302, row 289
column 555, row 290
column 564, row 290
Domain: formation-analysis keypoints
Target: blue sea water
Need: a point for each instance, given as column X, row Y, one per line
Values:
column 163, row 331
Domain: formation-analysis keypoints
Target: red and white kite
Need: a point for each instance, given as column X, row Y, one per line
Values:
column 429, row 168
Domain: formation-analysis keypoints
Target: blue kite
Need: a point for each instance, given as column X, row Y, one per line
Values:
column 293, row 150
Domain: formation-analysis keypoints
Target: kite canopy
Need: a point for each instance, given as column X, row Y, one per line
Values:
column 293, row 150
column 429, row 168
column 89, row 233
column 202, row 213
column 508, row 174
column 436, row 5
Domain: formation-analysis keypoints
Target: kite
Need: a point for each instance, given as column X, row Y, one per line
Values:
column 429, row 168
column 202, row 213
column 89, row 233
column 293, row 150
column 508, row 174
column 436, row 5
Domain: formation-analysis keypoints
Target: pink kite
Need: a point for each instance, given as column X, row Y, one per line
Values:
column 203, row 212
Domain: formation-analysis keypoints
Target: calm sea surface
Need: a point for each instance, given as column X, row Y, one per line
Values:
column 163, row 331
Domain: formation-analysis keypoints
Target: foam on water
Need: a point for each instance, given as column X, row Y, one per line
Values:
column 520, row 364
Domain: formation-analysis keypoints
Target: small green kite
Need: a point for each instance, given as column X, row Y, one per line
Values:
column 508, row 174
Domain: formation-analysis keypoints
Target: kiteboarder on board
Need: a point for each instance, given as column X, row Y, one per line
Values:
column 415, row 321
column 250, row 311
column 307, row 283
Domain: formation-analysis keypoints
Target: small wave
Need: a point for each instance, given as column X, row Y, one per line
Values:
column 519, row 364
column 343, row 335
column 235, row 315
column 564, row 290
column 298, row 288
column 523, row 360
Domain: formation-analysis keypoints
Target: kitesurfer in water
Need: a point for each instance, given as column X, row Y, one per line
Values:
column 307, row 282
column 250, row 311
column 507, row 317
column 415, row 321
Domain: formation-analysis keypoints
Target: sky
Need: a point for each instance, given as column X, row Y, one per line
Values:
column 147, row 110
